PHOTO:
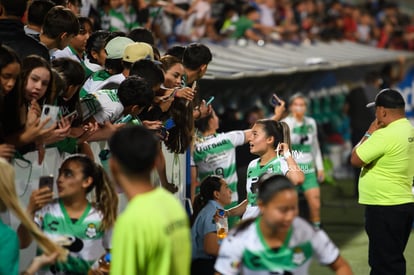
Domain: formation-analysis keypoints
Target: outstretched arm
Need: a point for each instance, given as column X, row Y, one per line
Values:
column 341, row 266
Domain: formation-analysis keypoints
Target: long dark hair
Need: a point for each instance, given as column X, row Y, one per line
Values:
column 106, row 196
column 208, row 186
column 30, row 63
column 10, row 103
column 181, row 111
column 276, row 129
column 180, row 136
column 269, row 186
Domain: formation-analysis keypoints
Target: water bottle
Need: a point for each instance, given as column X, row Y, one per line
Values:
column 222, row 225
column 103, row 264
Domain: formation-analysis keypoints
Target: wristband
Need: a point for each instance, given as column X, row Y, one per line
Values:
column 367, row 135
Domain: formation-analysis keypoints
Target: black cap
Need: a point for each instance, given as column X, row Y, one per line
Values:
column 388, row 98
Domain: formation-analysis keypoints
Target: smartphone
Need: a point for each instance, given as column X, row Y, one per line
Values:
column 124, row 119
column 71, row 115
column 163, row 133
column 169, row 123
column 210, row 100
column 274, row 100
column 49, row 111
column 46, row 181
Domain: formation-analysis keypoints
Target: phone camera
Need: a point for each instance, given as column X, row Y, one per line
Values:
column 47, row 110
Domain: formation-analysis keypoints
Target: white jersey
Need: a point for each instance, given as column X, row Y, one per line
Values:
column 305, row 145
column 67, row 52
column 277, row 165
column 103, row 106
column 98, row 80
column 246, row 252
column 216, row 155
column 86, row 242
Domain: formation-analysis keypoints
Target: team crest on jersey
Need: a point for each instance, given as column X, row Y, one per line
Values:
column 91, row 231
column 270, row 170
column 298, row 256
column 235, row 265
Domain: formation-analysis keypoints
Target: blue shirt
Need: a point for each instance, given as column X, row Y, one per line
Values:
column 203, row 224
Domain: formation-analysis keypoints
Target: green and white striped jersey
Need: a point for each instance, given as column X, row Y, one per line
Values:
column 103, row 105
column 216, row 155
column 123, row 19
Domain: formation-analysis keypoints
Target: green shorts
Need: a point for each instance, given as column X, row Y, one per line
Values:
column 311, row 181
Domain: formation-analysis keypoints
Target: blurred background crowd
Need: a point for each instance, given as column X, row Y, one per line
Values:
column 379, row 23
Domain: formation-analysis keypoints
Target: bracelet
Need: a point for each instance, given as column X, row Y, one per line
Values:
column 367, row 135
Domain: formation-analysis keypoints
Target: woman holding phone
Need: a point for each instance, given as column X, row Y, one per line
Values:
column 9, row 250
column 83, row 227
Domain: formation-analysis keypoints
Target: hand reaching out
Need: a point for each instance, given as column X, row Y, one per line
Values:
column 7, row 151
column 38, row 199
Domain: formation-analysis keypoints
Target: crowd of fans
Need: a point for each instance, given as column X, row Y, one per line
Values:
column 378, row 23
column 72, row 74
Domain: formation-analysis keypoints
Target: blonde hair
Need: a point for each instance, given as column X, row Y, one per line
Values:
column 9, row 200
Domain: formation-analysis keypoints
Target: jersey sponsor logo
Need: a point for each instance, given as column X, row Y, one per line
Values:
column 200, row 149
column 53, row 225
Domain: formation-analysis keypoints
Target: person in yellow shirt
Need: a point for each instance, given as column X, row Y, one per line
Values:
column 152, row 235
column 386, row 155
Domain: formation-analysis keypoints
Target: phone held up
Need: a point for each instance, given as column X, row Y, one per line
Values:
column 49, row 111
column 46, row 181
column 168, row 125
column 274, row 100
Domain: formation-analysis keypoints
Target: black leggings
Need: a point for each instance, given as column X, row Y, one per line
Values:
column 203, row 267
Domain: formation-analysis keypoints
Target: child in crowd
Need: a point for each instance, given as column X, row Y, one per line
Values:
column 83, row 227
column 17, row 129
column 277, row 241
column 37, row 90
column 95, row 52
column 77, row 45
